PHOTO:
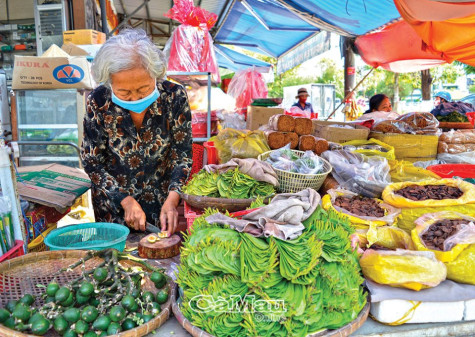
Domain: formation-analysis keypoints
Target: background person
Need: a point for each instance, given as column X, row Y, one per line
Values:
column 137, row 135
column 379, row 102
column 442, row 97
column 302, row 96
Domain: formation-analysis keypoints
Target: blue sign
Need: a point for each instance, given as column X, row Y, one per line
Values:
column 68, row 74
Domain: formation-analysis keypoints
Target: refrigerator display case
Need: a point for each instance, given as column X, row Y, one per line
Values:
column 43, row 117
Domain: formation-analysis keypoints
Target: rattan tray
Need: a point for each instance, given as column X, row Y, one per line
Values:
column 222, row 204
column 21, row 275
column 341, row 332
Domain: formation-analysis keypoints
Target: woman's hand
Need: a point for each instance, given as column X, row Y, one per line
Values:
column 134, row 215
column 169, row 214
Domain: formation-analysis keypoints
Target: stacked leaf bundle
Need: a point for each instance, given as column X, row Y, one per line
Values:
column 237, row 285
column 232, row 184
column 101, row 302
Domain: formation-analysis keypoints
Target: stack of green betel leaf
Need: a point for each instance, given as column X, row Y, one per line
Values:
column 232, row 184
column 235, row 284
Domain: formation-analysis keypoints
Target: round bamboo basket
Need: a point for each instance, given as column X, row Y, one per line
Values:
column 341, row 332
column 222, row 204
column 20, row 275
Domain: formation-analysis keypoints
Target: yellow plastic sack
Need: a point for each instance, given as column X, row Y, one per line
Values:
column 403, row 268
column 232, row 143
column 408, row 216
column 360, row 222
column 425, row 221
column 388, row 154
column 389, row 237
column 399, row 201
column 462, row 269
column 402, row 171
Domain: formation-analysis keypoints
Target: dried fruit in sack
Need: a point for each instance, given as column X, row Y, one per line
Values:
column 403, row 268
column 307, row 143
column 283, row 123
column 359, row 205
column 430, row 192
column 303, row 126
column 436, row 234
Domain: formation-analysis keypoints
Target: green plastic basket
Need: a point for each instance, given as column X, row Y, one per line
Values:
column 92, row 236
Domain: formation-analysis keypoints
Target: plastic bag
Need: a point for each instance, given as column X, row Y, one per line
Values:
column 392, row 126
column 245, row 86
column 190, row 48
column 389, row 237
column 421, row 122
column 233, row 143
column 367, row 176
column 359, row 221
column 401, row 171
column 464, row 136
column 396, row 200
column 459, row 158
column 378, row 116
column 371, row 147
column 285, row 159
column 453, row 245
column 462, row 269
column 403, row 268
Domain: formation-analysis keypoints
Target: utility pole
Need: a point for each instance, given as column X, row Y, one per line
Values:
column 396, row 92
column 350, row 70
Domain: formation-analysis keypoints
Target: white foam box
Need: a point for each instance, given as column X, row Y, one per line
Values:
column 391, row 311
column 469, row 310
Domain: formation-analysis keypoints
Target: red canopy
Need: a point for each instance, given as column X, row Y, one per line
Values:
column 397, row 48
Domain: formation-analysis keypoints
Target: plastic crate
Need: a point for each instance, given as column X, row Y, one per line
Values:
column 212, row 152
column 38, row 244
column 91, row 236
column 191, row 214
column 452, row 170
column 471, row 117
column 16, row 251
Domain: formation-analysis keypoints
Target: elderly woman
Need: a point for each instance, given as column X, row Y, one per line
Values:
column 137, row 135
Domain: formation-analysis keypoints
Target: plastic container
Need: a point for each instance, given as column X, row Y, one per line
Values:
column 471, row 117
column 91, row 236
column 452, row 170
column 199, row 124
column 191, row 214
column 38, row 244
column 16, row 251
column 212, row 152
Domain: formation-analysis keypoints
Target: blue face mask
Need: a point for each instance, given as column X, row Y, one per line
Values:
column 136, row 106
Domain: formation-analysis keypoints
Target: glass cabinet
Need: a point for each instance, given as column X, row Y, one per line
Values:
column 48, row 116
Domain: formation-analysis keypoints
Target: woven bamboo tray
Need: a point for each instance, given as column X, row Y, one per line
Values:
column 21, row 275
column 222, row 204
column 341, row 332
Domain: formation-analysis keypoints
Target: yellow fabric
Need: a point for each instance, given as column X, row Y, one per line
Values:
column 233, row 143
column 356, row 222
column 403, row 268
column 462, row 269
column 395, row 200
column 401, row 171
column 388, row 155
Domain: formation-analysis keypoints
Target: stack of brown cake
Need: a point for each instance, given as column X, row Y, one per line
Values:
column 296, row 131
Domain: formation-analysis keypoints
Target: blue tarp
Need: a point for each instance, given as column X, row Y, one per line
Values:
column 233, row 60
column 243, row 29
column 274, row 27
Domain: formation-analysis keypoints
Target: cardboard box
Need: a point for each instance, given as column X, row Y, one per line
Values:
column 258, row 116
column 84, row 36
column 33, row 72
column 53, row 185
column 332, row 133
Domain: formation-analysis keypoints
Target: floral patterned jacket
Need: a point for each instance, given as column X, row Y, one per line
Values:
column 146, row 164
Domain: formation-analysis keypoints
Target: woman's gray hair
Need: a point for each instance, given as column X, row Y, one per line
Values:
column 125, row 51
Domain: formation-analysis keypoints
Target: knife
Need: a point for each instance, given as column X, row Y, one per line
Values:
column 152, row 229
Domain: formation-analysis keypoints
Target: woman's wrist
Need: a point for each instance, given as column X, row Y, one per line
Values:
column 173, row 198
